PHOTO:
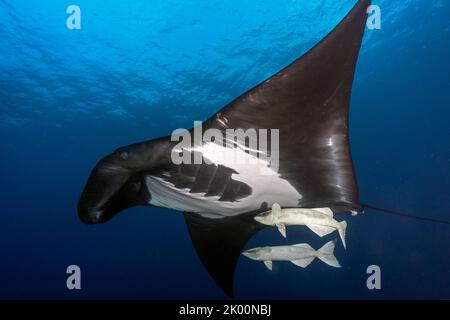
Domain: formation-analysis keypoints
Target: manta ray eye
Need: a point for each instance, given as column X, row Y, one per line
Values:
column 124, row 155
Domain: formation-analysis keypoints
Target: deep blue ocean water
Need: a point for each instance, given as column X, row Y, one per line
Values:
column 139, row 69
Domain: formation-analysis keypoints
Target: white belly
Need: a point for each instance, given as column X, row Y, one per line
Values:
column 266, row 184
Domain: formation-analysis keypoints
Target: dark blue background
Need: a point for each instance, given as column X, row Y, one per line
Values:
column 139, row 69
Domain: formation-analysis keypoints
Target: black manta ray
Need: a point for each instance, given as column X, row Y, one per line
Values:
column 308, row 102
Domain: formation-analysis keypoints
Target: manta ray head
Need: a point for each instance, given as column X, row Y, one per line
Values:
column 115, row 184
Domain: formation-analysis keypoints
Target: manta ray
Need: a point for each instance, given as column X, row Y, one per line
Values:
column 308, row 102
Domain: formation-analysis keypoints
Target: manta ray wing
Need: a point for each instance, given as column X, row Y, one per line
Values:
column 308, row 102
column 219, row 242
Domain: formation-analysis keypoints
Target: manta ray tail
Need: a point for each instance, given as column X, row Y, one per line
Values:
column 405, row 215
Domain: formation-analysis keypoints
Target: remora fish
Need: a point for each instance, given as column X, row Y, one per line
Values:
column 319, row 220
column 301, row 254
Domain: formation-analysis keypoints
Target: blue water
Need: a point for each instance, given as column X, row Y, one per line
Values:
column 139, row 69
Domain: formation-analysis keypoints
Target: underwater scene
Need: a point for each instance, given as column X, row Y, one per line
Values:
column 311, row 160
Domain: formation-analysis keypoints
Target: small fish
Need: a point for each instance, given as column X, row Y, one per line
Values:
column 319, row 220
column 301, row 254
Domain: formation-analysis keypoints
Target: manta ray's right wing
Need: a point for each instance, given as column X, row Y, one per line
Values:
column 308, row 102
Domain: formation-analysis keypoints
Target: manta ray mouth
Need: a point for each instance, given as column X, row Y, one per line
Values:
column 110, row 190
column 95, row 207
column 94, row 212
column 98, row 197
column 91, row 216
column 91, row 213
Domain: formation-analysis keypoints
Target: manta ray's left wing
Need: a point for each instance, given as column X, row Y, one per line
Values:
column 219, row 242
